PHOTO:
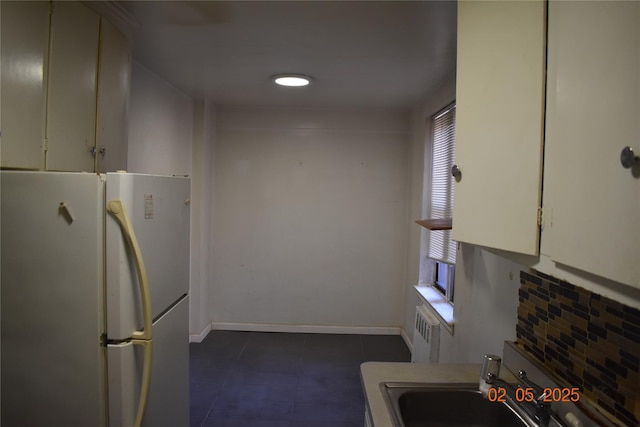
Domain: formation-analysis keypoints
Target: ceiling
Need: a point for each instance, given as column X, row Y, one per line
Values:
column 383, row 54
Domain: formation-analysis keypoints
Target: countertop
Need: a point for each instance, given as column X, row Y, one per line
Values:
column 374, row 373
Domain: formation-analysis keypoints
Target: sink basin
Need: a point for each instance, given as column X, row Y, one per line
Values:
column 445, row 405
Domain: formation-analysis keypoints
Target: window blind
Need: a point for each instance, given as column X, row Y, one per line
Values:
column 441, row 247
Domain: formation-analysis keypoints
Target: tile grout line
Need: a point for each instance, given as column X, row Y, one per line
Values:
column 227, row 372
column 244, row 346
column 204, row 419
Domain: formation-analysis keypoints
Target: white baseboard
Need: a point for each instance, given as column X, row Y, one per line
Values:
column 259, row 327
column 201, row 336
column 406, row 339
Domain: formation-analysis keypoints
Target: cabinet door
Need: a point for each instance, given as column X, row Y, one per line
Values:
column 114, row 78
column 499, row 129
column 591, row 203
column 73, row 65
column 25, row 44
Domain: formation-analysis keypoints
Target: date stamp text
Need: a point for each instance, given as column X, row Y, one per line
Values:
column 527, row 394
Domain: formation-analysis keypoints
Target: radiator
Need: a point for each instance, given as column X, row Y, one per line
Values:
column 426, row 337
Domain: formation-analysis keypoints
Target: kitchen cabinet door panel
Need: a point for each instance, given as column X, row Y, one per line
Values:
column 591, row 203
column 25, row 45
column 71, row 121
column 113, row 98
column 499, row 130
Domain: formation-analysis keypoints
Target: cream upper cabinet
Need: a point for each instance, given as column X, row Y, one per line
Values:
column 114, row 79
column 500, row 122
column 591, row 202
column 73, row 69
column 65, row 88
column 25, row 43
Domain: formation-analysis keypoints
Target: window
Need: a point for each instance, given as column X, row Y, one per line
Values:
column 441, row 255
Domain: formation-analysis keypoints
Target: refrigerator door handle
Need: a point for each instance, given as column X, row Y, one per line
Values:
column 146, row 379
column 116, row 208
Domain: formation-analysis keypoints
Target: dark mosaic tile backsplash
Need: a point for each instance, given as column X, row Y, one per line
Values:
column 591, row 341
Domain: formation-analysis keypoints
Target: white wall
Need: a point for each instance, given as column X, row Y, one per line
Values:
column 160, row 126
column 309, row 219
column 201, row 217
column 485, row 309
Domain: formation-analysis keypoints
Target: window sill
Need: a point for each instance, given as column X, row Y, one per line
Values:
column 438, row 304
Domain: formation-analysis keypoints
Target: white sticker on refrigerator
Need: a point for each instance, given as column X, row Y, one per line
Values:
column 148, row 206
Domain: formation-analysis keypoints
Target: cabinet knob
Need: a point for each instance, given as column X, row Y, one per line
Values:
column 628, row 158
column 103, row 151
column 456, row 173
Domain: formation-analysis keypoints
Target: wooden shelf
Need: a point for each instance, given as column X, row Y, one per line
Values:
column 436, row 224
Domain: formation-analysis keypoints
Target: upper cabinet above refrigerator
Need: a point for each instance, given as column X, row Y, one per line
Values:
column 71, row 100
column 65, row 86
column 114, row 79
column 25, row 50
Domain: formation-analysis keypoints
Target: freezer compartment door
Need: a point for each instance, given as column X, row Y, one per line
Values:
column 168, row 402
column 158, row 210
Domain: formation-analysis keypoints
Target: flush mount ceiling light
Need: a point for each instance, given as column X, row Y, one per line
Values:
column 291, row 80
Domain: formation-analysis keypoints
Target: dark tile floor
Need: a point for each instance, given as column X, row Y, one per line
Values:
column 262, row 379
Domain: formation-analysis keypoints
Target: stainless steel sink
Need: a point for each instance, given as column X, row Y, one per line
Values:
column 449, row 404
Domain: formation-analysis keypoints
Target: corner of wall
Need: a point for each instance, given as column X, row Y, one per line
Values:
column 201, row 208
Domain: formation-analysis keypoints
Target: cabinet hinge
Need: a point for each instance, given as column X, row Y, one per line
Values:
column 540, row 217
column 45, row 144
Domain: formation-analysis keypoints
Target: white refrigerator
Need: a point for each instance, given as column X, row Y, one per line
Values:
column 94, row 299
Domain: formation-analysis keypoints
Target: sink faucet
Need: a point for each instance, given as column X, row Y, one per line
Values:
column 534, row 407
